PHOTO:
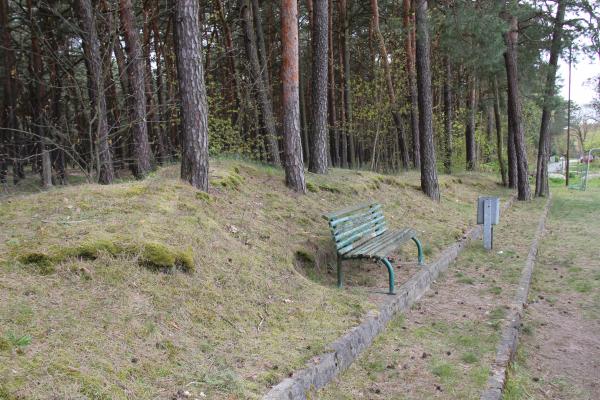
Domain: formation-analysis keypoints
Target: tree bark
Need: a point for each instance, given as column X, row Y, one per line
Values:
column 135, row 71
column 192, row 92
column 345, row 54
column 332, row 89
column 499, row 138
column 259, row 79
column 294, row 166
column 408, row 23
column 470, row 124
column 320, row 35
column 10, row 104
column 514, row 104
column 38, row 97
column 390, row 86
column 448, row 117
column 541, row 181
column 89, row 32
column 429, row 180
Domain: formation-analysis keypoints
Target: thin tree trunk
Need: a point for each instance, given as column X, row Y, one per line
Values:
column 343, row 124
column 345, row 54
column 10, row 103
column 541, row 181
column 448, row 117
column 192, row 91
column 514, row 104
column 332, row 91
column 470, row 124
column 429, row 180
column 499, row 138
column 135, row 70
column 390, row 86
column 408, row 23
column 294, row 167
column 319, row 162
column 106, row 172
column 38, row 95
column 260, row 82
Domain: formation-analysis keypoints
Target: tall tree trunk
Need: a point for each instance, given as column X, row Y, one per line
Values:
column 514, row 104
column 343, row 124
column 294, row 167
column 260, row 82
column 106, row 172
column 345, row 54
column 408, row 23
column 510, row 148
column 320, row 35
column 541, row 181
column 38, row 97
column 232, row 81
column 135, row 70
column 429, row 180
column 448, row 117
column 390, row 86
column 470, row 123
column 499, row 138
column 10, row 100
column 192, row 92
column 332, row 91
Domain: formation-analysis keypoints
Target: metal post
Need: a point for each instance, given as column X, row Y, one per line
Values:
column 487, row 224
column 568, row 119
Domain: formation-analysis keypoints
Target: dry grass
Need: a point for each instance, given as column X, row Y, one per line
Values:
column 106, row 327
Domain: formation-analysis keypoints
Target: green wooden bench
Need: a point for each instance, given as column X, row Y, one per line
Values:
column 361, row 232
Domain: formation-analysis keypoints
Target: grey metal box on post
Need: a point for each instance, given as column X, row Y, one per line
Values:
column 488, row 214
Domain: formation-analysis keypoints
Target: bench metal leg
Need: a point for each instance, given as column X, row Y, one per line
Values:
column 340, row 273
column 392, row 278
column 420, row 249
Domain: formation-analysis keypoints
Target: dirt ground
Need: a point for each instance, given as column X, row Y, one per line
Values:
column 559, row 354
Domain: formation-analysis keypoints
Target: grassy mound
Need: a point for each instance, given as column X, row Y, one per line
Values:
column 74, row 278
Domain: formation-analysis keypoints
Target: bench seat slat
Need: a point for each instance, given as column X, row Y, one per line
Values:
column 356, row 238
column 370, row 223
column 386, row 248
column 349, row 218
column 353, row 223
column 349, row 210
column 382, row 245
column 365, row 239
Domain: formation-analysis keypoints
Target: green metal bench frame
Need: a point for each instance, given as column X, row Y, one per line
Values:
column 361, row 232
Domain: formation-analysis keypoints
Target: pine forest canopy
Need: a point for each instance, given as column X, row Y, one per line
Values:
column 113, row 88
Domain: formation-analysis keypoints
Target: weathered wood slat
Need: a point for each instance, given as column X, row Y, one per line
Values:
column 349, row 218
column 348, row 210
column 369, row 224
column 386, row 248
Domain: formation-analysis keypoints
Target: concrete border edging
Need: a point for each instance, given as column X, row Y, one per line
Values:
column 510, row 334
column 345, row 350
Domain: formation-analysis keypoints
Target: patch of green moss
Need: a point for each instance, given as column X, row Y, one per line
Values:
column 311, row 187
column 91, row 249
column 43, row 262
column 231, row 181
column 156, row 255
column 203, row 196
column 329, row 188
column 185, row 261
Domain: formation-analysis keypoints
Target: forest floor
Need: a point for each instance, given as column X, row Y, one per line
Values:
column 242, row 286
column 559, row 356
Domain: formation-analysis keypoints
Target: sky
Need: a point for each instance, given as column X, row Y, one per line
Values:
column 582, row 90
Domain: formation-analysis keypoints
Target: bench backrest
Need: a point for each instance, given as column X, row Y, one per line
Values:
column 355, row 225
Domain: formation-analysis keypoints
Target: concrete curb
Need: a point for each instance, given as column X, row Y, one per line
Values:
column 322, row 369
column 510, row 334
